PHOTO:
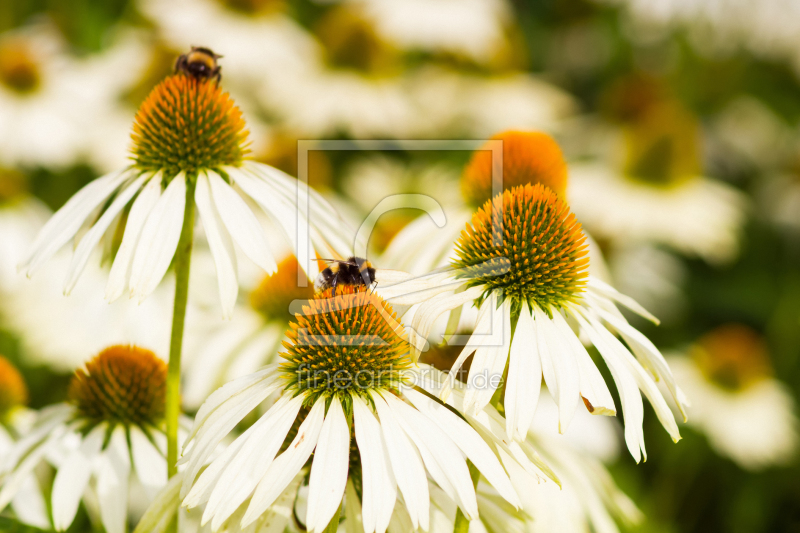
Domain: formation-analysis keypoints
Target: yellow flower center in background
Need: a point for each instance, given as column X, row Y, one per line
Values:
column 733, row 356
column 529, row 157
column 255, row 7
column 12, row 185
column 527, row 244
column 13, row 391
column 663, row 146
column 348, row 344
column 351, row 42
column 122, row 384
column 188, row 125
column 277, row 291
column 19, row 70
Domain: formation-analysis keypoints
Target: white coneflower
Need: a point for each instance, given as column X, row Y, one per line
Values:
column 343, row 376
column 659, row 194
column 28, row 504
column 747, row 414
column 522, row 260
column 110, row 431
column 189, row 147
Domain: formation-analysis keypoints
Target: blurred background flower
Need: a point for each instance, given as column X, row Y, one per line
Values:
column 679, row 122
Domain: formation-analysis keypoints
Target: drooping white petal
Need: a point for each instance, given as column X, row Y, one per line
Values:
column 142, row 206
column 73, row 477
column 66, row 222
column 219, row 241
column 443, row 459
column 29, row 505
column 93, row 236
column 593, row 387
column 524, row 377
column 632, row 407
column 113, row 473
column 247, row 468
column 353, row 521
column 565, row 379
column 149, row 464
column 489, row 362
column 159, row 239
column 379, row 487
column 481, row 335
column 165, row 506
column 16, row 479
column 286, row 466
column 468, row 441
column 406, row 464
column 610, row 292
column 328, row 469
column 242, row 224
column 220, row 422
column 427, row 313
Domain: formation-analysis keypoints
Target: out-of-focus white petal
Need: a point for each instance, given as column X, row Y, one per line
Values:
column 524, row 377
column 113, row 473
column 73, row 477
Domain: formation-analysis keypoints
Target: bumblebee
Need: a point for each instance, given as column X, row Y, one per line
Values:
column 200, row 63
column 354, row 271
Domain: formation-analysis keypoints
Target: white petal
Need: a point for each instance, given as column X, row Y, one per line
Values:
column 29, row 504
column 165, row 506
column 564, row 382
column 286, row 466
column 524, row 377
column 219, row 423
column 242, row 224
column 353, row 522
column 406, row 465
column 489, row 362
column 379, row 488
column 593, row 387
column 468, row 441
column 93, row 236
column 113, row 477
column 73, row 477
column 481, row 335
column 632, row 408
column 17, row 478
column 427, row 313
column 142, row 206
column 219, row 241
column 328, row 469
column 66, row 222
column 149, row 464
column 443, row 459
column 612, row 293
column 159, row 239
column 247, row 468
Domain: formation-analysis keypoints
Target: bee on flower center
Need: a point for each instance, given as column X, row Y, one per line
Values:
column 200, row 63
column 355, row 272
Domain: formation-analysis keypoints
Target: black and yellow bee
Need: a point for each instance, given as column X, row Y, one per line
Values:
column 200, row 63
column 353, row 271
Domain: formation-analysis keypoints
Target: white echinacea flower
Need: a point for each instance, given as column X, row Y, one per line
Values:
column 344, row 377
column 523, row 261
column 109, row 432
column 189, row 149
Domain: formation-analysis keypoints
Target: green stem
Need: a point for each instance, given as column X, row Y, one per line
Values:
column 183, row 259
column 333, row 525
column 462, row 522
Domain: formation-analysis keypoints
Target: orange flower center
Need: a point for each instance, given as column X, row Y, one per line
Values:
column 13, row 391
column 122, row 384
column 276, row 292
column 529, row 157
column 733, row 356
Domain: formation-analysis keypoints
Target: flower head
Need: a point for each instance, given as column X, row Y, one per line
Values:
column 122, row 384
column 526, row 244
column 19, row 68
column 276, row 292
column 13, row 391
column 185, row 125
column 529, row 157
column 348, row 344
column 523, row 262
column 732, row 356
column 341, row 399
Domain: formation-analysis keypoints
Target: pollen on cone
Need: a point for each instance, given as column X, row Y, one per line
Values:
column 348, row 343
column 529, row 157
column 187, row 125
column 122, row 384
